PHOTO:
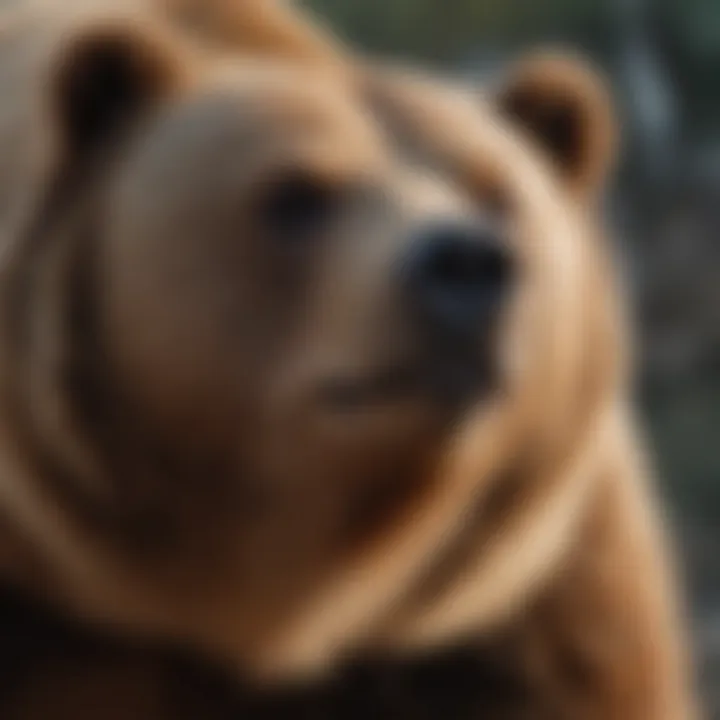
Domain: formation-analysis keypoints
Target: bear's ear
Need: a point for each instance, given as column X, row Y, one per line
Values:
column 104, row 78
column 565, row 108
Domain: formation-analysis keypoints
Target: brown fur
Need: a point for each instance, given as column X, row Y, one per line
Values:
column 166, row 471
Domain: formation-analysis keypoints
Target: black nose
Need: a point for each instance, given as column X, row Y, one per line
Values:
column 457, row 276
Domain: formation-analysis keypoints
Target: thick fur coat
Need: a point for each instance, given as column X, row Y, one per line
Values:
column 215, row 498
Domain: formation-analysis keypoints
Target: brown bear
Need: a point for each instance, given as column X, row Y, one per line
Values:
column 317, row 381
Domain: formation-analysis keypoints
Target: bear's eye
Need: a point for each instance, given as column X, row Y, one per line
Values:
column 297, row 206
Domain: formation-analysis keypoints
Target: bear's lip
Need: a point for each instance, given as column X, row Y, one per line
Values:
column 448, row 381
column 392, row 384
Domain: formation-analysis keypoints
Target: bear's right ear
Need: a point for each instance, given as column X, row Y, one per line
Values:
column 563, row 106
column 103, row 79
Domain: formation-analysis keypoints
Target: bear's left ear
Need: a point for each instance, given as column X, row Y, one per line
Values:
column 564, row 107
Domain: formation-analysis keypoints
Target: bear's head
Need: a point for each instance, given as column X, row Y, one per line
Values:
column 275, row 343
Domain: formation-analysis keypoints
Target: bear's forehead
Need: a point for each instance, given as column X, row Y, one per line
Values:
column 249, row 117
column 268, row 112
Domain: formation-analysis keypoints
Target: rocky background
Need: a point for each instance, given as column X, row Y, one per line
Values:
column 663, row 58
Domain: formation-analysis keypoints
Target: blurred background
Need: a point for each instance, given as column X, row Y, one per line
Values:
column 663, row 60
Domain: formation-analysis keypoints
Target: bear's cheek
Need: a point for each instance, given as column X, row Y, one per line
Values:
column 541, row 346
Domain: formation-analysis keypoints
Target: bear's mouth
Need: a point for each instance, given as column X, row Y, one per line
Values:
column 390, row 385
column 451, row 382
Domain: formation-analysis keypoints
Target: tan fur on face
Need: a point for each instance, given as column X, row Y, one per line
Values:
column 151, row 519
column 268, row 27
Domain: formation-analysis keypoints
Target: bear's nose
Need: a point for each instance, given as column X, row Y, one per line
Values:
column 457, row 276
